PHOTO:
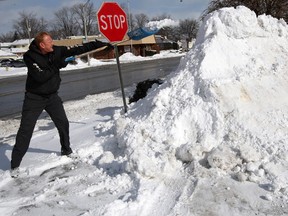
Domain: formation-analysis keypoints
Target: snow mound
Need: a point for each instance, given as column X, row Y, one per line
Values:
column 130, row 56
column 223, row 113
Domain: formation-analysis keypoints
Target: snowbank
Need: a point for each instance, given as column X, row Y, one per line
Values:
column 223, row 114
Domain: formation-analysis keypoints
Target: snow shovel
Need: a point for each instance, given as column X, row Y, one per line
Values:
column 136, row 34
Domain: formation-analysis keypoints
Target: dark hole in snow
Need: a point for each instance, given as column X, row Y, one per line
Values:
column 142, row 88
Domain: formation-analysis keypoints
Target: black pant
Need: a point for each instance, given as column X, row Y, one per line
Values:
column 32, row 108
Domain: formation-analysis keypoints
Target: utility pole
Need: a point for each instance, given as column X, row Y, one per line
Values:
column 130, row 25
column 28, row 29
column 85, row 27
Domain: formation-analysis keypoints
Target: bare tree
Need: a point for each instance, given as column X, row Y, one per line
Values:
column 140, row 20
column 86, row 17
column 65, row 23
column 275, row 8
column 166, row 31
column 130, row 18
column 188, row 28
column 8, row 37
column 161, row 17
column 28, row 25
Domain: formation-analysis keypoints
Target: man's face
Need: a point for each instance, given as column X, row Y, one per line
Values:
column 46, row 45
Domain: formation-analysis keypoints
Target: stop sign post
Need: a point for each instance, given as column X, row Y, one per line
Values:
column 112, row 23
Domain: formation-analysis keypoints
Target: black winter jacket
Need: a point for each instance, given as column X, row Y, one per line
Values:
column 43, row 70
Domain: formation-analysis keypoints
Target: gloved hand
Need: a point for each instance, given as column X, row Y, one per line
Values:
column 109, row 46
column 101, row 44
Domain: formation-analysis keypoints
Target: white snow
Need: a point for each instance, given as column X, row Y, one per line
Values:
column 211, row 140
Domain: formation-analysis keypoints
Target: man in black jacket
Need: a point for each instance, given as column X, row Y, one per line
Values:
column 44, row 60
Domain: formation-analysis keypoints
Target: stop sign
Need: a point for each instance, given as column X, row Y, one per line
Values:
column 112, row 21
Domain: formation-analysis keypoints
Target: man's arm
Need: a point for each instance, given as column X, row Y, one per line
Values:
column 86, row 47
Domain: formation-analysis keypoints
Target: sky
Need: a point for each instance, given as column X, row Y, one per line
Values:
column 211, row 140
column 9, row 9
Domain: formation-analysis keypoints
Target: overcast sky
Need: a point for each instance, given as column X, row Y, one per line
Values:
column 177, row 9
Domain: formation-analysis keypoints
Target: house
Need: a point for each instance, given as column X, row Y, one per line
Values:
column 185, row 44
column 18, row 51
column 18, row 47
column 22, row 43
column 7, row 55
column 78, row 40
column 166, row 44
column 145, row 47
column 5, row 46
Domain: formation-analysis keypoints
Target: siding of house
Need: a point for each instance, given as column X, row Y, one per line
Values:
column 143, row 47
column 5, row 55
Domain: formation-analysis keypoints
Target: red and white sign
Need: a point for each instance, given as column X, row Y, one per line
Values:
column 112, row 21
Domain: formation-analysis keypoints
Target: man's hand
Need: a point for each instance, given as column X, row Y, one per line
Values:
column 109, row 46
column 101, row 44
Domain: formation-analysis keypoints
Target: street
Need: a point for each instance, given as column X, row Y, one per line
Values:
column 79, row 83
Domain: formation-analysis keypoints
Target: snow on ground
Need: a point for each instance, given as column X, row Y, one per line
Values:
column 211, row 140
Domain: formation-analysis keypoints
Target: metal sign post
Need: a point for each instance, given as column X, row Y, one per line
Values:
column 112, row 22
column 120, row 77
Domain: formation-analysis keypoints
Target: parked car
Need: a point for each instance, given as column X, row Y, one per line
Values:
column 12, row 63
column 17, row 63
column 5, row 62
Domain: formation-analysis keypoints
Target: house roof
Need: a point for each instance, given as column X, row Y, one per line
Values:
column 147, row 40
column 18, row 50
column 5, row 45
column 21, row 42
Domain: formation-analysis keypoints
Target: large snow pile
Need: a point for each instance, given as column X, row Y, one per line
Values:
column 222, row 115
